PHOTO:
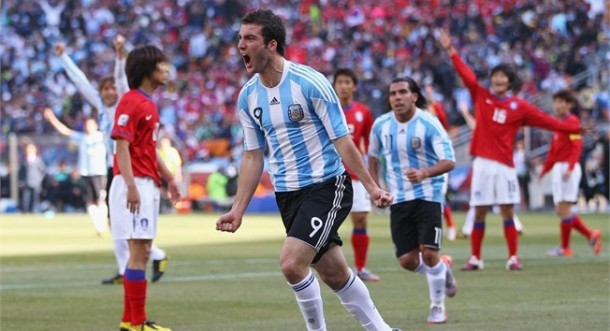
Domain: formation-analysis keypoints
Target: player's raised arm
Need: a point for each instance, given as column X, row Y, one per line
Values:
column 78, row 77
column 49, row 115
column 119, row 65
column 463, row 70
column 250, row 172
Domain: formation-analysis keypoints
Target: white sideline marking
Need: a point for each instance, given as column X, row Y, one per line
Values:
column 165, row 280
column 59, row 267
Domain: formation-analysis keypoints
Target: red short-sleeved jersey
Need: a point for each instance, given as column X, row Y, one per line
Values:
column 499, row 119
column 565, row 147
column 137, row 121
column 359, row 122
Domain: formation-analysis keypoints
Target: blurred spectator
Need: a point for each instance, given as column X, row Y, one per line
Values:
column 31, row 174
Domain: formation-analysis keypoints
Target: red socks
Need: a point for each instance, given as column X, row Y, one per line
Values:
column 511, row 236
column 360, row 244
column 476, row 238
column 134, row 283
column 136, row 292
column 580, row 226
column 566, row 230
column 448, row 216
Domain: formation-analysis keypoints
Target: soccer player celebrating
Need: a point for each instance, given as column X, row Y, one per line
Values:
column 563, row 160
column 91, row 166
column 105, row 99
column 499, row 115
column 418, row 153
column 293, row 110
column 359, row 122
column 134, row 193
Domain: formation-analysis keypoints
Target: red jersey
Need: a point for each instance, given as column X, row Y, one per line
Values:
column 565, row 147
column 359, row 122
column 499, row 119
column 137, row 121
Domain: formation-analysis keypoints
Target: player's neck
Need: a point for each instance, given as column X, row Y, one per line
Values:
column 404, row 117
column 272, row 75
column 346, row 103
column 148, row 86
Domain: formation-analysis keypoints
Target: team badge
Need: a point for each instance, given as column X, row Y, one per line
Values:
column 359, row 117
column 295, row 112
column 144, row 223
column 513, row 105
column 415, row 143
column 123, row 119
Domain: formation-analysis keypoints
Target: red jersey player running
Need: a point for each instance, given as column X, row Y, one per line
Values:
column 499, row 115
column 134, row 193
column 563, row 159
column 359, row 122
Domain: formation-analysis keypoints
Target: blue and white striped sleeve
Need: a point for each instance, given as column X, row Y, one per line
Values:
column 120, row 78
column 327, row 106
column 254, row 138
column 81, row 82
column 375, row 141
column 442, row 144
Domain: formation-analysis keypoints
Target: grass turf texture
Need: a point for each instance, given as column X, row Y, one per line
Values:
column 51, row 269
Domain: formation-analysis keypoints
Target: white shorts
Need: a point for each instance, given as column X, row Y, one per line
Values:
column 125, row 224
column 362, row 199
column 565, row 191
column 493, row 183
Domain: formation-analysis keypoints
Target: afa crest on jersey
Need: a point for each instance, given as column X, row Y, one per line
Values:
column 415, row 143
column 295, row 112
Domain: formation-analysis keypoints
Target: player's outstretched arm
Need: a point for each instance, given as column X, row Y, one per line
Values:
column 172, row 185
column 49, row 115
column 353, row 159
column 470, row 120
column 250, row 172
column 119, row 65
column 78, row 77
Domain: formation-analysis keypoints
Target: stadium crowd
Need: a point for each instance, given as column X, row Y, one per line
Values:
column 548, row 42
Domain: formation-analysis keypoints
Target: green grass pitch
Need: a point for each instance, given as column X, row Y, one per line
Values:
column 50, row 272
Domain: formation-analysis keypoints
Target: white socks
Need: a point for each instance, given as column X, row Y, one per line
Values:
column 121, row 253
column 309, row 299
column 357, row 301
column 98, row 219
column 436, row 283
column 157, row 253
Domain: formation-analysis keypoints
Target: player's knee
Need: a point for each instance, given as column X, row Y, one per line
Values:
column 409, row 262
column 292, row 271
column 430, row 257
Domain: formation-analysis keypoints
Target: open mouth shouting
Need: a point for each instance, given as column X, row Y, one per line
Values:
column 247, row 61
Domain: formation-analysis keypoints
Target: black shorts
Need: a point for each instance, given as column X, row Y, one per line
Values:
column 93, row 188
column 414, row 223
column 315, row 213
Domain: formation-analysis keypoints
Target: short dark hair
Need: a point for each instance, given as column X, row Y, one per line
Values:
column 508, row 71
column 414, row 88
column 567, row 96
column 141, row 63
column 105, row 81
column 273, row 27
column 345, row 72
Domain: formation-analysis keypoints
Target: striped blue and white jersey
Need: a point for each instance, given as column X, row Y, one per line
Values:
column 105, row 113
column 91, row 153
column 419, row 143
column 298, row 119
